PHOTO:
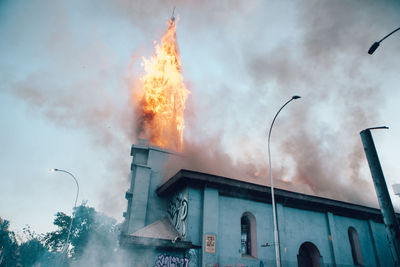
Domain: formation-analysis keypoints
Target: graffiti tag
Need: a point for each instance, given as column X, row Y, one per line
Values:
column 177, row 210
column 171, row 261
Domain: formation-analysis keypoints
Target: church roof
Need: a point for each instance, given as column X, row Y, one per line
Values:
column 161, row 233
column 236, row 188
column 161, row 229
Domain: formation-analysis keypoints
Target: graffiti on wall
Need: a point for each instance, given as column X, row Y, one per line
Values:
column 177, row 210
column 192, row 255
column 230, row 265
column 171, row 261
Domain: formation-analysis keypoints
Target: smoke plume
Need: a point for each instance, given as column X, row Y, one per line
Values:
column 75, row 64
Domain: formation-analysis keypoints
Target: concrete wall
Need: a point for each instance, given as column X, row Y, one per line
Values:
column 220, row 217
column 342, row 225
column 210, row 231
column 156, row 207
column 195, row 215
column 297, row 226
column 231, row 210
column 158, row 257
column 213, row 221
column 144, row 206
column 378, row 234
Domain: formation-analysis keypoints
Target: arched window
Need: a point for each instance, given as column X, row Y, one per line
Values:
column 308, row 256
column 248, row 235
column 245, row 235
column 355, row 247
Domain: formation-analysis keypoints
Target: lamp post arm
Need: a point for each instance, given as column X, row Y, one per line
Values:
column 276, row 115
column 76, row 182
column 272, row 124
column 389, row 35
column 72, row 215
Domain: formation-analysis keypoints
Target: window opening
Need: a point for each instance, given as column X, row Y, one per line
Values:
column 309, row 255
column 355, row 247
column 245, row 236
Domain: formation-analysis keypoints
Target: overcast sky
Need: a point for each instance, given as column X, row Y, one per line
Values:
column 67, row 69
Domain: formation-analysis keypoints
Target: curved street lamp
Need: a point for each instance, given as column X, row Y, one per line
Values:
column 375, row 45
column 72, row 217
column 276, row 237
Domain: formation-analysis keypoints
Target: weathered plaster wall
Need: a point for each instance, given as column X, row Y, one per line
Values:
column 231, row 211
column 301, row 226
column 156, row 207
column 383, row 252
column 156, row 257
column 195, row 215
column 328, row 232
column 344, row 249
column 213, row 221
column 210, row 233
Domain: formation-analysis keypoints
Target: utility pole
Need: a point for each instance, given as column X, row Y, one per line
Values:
column 385, row 203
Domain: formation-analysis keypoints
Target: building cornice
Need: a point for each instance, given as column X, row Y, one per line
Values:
column 131, row 241
column 236, row 188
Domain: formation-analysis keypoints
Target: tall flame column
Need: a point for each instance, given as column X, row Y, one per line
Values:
column 164, row 94
column 276, row 236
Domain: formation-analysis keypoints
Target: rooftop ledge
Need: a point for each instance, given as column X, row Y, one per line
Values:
column 235, row 188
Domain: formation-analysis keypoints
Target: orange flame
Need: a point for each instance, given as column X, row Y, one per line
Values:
column 164, row 94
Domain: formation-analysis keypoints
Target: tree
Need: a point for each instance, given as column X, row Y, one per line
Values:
column 9, row 254
column 93, row 241
column 28, row 251
column 55, row 240
column 91, row 232
column 32, row 251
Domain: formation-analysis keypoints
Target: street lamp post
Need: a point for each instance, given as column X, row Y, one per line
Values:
column 385, row 203
column 276, row 237
column 375, row 45
column 65, row 248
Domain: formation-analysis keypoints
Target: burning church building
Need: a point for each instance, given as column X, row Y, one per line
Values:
column 194, row 218
column 200, row 219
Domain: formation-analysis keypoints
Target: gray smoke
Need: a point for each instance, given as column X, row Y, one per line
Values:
column 316, row 142
column 241, row 61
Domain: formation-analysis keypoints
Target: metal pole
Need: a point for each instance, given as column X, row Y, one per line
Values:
column 276, row 236
column 65, row 248
column 385, row 203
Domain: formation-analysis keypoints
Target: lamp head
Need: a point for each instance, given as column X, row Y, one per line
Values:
column 53, row 170
column 296, row 97
column 373, row 47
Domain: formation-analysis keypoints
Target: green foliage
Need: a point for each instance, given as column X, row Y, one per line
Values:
column 89, row 229
column 93, row 236
column 55, row 240
column 83, row 226
column 9, row 254
column 32, row 252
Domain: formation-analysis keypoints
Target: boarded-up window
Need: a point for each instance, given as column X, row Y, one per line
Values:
column 355, row 247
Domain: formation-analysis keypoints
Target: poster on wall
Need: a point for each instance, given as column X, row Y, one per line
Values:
column 210, row 243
